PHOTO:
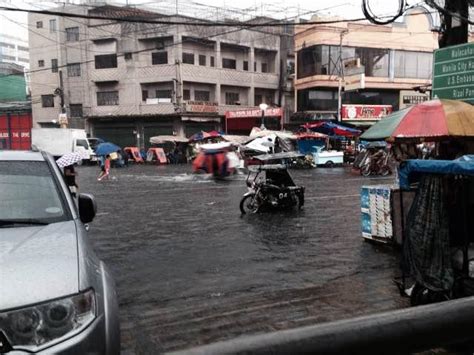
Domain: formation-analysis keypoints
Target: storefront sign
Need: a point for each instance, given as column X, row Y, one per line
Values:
column 354, row 82
column 270, row 112
column 410, row 98
column 365, row 112
column 201, row 106
column 453, row 73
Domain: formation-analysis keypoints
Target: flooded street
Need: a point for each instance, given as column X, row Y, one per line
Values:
column 190, row 270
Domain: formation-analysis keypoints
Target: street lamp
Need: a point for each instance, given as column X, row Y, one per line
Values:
column 263, row 106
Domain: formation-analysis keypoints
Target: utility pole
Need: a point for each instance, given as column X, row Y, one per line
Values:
column 340, row 76
column 455, row 15
column 63, row 123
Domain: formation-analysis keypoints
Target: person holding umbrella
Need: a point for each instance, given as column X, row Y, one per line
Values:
column 67, row 162
column 70, row 178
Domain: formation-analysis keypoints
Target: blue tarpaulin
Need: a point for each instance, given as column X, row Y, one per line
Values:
column 411, row 169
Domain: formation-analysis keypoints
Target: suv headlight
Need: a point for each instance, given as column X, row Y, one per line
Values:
column 31, row 327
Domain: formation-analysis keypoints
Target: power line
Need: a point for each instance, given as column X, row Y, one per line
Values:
column 188, row 23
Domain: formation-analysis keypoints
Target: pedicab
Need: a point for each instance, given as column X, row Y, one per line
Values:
column 437, row 242
column 212, row 159
column 156, row 155
column 270, row 185
column 133, row 153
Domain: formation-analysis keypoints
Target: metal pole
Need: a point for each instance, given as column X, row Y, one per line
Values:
column 341, row 77
column 397, row 332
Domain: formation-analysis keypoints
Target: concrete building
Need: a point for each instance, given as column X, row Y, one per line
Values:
column 14, row 50
column 127, row 82
column 395, row 60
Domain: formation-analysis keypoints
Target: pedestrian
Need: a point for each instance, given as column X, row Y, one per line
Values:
column 70, row 179
column 105, row 169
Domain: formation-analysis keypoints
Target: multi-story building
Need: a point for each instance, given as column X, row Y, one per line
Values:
column 128, row 81
column 14, row 50
column 395, row 60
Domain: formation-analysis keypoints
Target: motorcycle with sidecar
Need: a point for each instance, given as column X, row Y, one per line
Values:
column 270, row 186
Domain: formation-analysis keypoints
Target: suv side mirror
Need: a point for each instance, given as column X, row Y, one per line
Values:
column 87, row 207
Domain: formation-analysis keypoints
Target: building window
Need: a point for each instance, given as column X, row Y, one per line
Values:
column 258, row 100
column 106, row 61
column 144, row 95
column 212, row 61
column 254, row 66
column 290, row 67
column 159, row 58
column 75, row 110
column 413, row 64
column 315, row 60
column 54, row 65
column 375, row 61
column 128, row 56
column 186, row 94
column 74, row 69
column 72, row 34
column 24, row 49
column 163, row 94
column 107, row 98
column 246, row 65
column 52, row 26
column 201, row 95
column 8, row 45
column 232, row 98
column 47, row 100
column 41, row 63
column 202, row 59
column 264, row 68
column 188, row 58
column 228, row 63
column 39, row 24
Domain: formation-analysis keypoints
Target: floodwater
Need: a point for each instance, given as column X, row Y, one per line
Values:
column 191, row 270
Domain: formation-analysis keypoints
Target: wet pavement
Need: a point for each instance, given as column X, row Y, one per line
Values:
column 191, row 270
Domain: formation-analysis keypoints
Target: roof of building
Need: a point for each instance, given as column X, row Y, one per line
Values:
column 13, row 106
column 123, row 12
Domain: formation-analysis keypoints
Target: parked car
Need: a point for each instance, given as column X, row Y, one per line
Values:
column 328, row 158
column 56, row 296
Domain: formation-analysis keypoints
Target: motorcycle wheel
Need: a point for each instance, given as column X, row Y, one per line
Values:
column 300, row 202
column 365, row 170
column 249, row 204
column 385, row 171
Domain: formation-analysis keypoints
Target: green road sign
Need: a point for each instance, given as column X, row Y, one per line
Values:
column 453, row 73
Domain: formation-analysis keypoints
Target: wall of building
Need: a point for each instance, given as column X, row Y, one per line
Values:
column 136, row 71
column 397, row 57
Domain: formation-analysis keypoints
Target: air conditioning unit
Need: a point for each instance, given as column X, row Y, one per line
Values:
column 151, row 101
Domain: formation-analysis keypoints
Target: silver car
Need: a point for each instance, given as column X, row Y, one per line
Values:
column 56, row 296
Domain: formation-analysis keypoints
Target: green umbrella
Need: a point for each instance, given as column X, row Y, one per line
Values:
column 384, row 128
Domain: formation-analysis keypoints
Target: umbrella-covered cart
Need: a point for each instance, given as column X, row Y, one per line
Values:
column 437, row 121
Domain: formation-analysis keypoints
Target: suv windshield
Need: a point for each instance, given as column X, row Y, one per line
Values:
column 28, row 194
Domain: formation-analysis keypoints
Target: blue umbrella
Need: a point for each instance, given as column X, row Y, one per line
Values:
column 106, row 148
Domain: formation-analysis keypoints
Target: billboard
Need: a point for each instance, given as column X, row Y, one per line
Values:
column 365, row 112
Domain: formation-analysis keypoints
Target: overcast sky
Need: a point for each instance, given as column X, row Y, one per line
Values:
column 212, row 9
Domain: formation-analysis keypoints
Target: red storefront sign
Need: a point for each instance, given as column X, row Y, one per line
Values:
column 365, row 112
column 242, row 121
column 15, row 131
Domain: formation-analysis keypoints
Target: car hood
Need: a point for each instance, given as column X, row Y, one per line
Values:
column 37, row 263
